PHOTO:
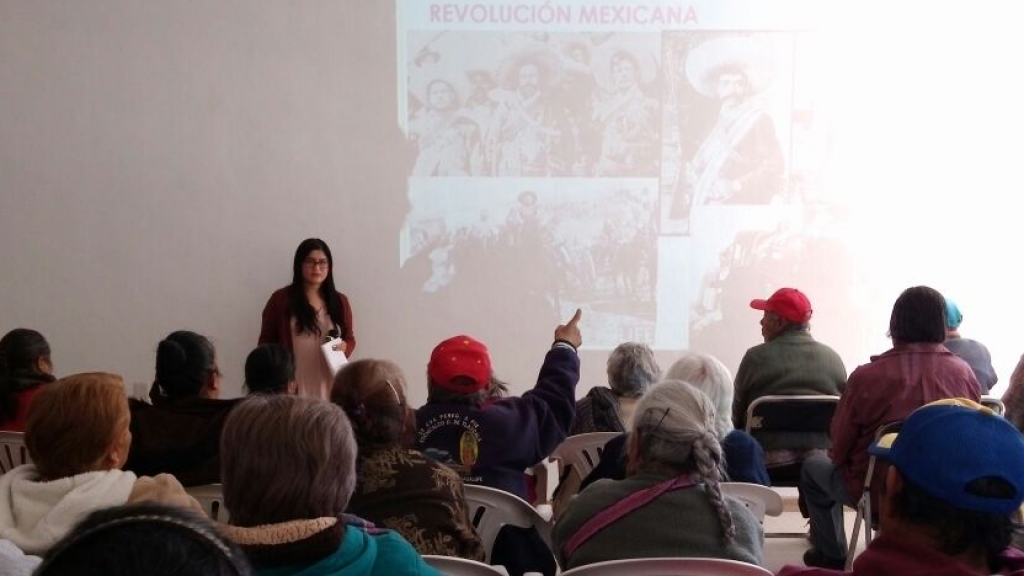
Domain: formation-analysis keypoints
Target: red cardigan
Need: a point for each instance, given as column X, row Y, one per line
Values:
column 24, row 401
column 277, row 326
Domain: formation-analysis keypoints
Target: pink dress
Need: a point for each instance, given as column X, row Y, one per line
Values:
column 312, row 375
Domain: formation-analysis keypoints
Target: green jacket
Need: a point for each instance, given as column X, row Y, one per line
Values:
column 791, row 364
column 678, row 524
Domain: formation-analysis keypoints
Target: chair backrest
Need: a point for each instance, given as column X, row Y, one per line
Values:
column 581, row 452
column 994, row 404
column 490, row 509
column 211, row 498
column 760, row 500
column 804, row 413
column 12, row 451
column 669, row 567
column 872, row 477
column 452, row 566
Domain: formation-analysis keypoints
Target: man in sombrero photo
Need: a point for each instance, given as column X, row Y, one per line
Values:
column 740, row 161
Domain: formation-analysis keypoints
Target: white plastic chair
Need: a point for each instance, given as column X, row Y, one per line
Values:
column 582, row 452
column 490, row 509
column 994, row 404
column 211, row 498
column 669, row 567
column 578, row 455
column 760, row 500
column 12, row 451
column 452, row 566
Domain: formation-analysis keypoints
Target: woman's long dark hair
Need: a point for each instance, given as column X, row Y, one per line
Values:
column 20, row 349
column 299, row 306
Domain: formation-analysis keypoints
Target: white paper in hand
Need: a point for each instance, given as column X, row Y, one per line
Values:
column 335, row 358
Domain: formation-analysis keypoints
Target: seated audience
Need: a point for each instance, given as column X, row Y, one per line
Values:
column 744, row 457
column 270, row 369
column 954, row 484
column 289, row 471
column 917, row 370
column 493, row 444
column 396, row 487
column 631, row 369
column 24, row 367
column 77, row 436
column 148, row 539
column 971, row 351
column 671, row 503
column 790, row 362
column 180, row 432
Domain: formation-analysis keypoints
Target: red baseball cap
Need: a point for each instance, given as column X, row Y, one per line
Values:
column 788, row 303
column 460, row 356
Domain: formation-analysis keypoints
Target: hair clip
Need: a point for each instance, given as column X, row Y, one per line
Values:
column 398, row 399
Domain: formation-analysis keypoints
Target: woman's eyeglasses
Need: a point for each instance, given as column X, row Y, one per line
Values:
column 314, row 263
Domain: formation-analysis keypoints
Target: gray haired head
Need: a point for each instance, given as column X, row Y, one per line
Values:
column 675, row 428
column 631, row 369
column 707, row 374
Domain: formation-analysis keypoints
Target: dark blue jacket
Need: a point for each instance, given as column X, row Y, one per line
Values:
column 744, row 460
column 494, row 444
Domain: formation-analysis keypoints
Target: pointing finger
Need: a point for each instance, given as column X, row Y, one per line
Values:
column 575, row 318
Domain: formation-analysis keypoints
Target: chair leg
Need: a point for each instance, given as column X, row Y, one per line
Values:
column 856, row 532
column 868, row 528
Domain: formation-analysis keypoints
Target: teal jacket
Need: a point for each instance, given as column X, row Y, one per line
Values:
column 362, row 554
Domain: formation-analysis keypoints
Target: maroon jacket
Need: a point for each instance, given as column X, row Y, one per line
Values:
column 277, row 320
column 888, row 389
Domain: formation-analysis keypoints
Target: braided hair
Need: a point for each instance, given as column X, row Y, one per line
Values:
column 676, row 425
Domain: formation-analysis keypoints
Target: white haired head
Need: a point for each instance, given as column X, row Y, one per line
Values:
column 707, row 374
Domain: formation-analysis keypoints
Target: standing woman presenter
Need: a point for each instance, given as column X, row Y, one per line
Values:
column 304, row 315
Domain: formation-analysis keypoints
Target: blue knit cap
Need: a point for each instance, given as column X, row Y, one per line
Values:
column 953, row 315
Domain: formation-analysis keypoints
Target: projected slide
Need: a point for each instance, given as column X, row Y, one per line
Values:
column 637, row 160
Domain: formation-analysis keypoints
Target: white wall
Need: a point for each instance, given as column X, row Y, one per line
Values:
column 161, row 160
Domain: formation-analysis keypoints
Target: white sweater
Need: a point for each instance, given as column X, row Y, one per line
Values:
column 34, row 515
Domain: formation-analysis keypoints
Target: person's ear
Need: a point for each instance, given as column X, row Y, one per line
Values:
column 212, row 385
column 292, row 388
column 44, row 365
column 114, row 458
column 117, row 453
column 896, row 484
column 892, row 485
